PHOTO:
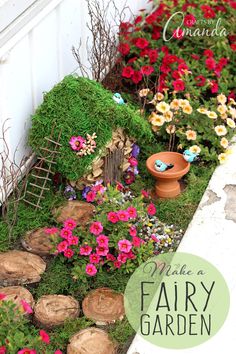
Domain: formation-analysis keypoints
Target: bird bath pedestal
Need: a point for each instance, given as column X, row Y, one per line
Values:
column 167, row 185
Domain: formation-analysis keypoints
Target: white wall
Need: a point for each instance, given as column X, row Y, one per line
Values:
column 35, row 54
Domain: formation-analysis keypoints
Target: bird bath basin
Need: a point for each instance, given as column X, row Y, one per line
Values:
column 167, row 185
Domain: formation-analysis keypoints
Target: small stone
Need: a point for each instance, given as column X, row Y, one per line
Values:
column 91, row 341
column 18, row 267
column 38, row 242
column 16, row 294
column 54, row 310
column 81, row 212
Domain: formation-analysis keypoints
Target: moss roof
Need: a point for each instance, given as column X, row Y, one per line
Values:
column 79, row 106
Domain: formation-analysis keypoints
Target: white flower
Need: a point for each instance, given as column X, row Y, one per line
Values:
column 231, row 123
column 191, row 135
column 220, row 130
column 195, row 149
column 222, row 157
column 221, row 98
column 212, row 115
column 163, row 107
column 224, row 143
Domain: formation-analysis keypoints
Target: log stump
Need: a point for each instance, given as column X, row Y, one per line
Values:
column 16, row 294
column 104, row 306
column 81, row 212
column 18, row 267
column 53, row 310
column 91, row 341
column 38, row 242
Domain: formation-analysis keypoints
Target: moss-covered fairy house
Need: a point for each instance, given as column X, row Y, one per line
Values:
column 77, row 107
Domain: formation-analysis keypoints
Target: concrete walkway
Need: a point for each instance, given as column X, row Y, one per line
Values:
column 212, row 235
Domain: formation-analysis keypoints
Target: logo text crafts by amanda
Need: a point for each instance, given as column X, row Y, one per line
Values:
column 216, row 31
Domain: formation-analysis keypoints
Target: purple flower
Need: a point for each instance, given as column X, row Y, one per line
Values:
column 70, row 193
column 85, row 192
column 136, row 171
column 135, row 151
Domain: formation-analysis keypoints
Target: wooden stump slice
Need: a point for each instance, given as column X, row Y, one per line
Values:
column 104, row 306
column 16, row 294
column 53, row 310
column 91, row 341
column 18, row 267
column 38, row 242
column 81, row 212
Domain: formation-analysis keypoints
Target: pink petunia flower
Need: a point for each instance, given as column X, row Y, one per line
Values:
column 96, row 228
column 112, row 217
column 94, row 258
column 133, row 231
column 51, row 230
column 26, row 307
column 122, row 257
column 3, row 350
column 77, row 143
column 102, row 240
column 85, row 250
column 144, row 193
column 110, row 257
column 27, row 351
column 131, row 255
column 90, row 197
column 133, row 161
column 69, row 224
column 44, row 336
column 58, row 351
column 62, row 246
column 124, row 246
column 151, row 209
column 69, row 253
column 123, row 215
column 137, row 241
column 117, row 264
column 91, row 270
column 132, row 212
column 102, row 251
column 2, row 296
column 65, row 233
column 73, row 240
column 154, row 238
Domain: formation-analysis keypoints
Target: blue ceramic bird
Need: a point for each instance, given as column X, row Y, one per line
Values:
column 190, row 156
column 161, row 166
column 118, row 99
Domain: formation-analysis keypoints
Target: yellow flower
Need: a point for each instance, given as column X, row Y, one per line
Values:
column 195, row 149
column 224, row 143
column 231, row 123
column 168, row 116
column 171, row 129
column 220, row 130
column 191, row 135
column 158, row 96
column 202, row 110
column 183, row 103
column 222, row 157
column 212, row 115
column 174, row 104
column 187, row 109
column 221, row 98
column 163, row 107
column 222, row 109
column 144, row 92
column 157, row 120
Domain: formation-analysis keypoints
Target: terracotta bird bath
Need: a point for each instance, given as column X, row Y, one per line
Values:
column 167, row 185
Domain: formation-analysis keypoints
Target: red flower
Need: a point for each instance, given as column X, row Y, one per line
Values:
column 3, row 350
column 182, row 68
column 208, row 53
column 170, row 59
column 175, row 74
column 233, row 4
column 127, row 72
column 201, row 80
column 156, row 33
column 147, row 70
column 129, row 177
column 165, row 69
column 137, row 77
column 179, row 85
column 138, row 20
column 117, row 264
column 210, row 63
column 144, row 52
column 214, row 86
column 189, row 20
column 151, row 209
column 233, row 46
column 124, row 48
column 132, row 60
column 208, row 11
column 223, row 62
column 141, row 43
column 151, row 18
column 153, row 55
column 195, row 57
column 44, row 336
column 178, row 33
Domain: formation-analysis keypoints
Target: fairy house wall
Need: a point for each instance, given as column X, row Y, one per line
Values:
column 79, row 106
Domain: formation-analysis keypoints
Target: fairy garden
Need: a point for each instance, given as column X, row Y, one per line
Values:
column 123, row 160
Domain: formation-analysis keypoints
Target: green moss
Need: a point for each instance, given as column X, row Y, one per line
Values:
column 79, row 106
